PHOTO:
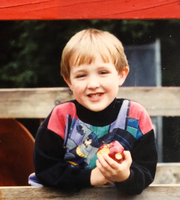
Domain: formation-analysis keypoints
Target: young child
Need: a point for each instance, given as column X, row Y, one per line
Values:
column 94, row 65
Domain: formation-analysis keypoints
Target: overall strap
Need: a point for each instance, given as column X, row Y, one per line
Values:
column 121, row 121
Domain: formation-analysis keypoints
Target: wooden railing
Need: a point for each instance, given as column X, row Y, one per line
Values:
column 153, row 192
column 38, row 102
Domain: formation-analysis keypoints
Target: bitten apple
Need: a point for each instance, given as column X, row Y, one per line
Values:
column 115, row 150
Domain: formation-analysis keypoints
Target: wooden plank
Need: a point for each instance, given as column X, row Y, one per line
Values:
column 31, row 103
column 38, row 102
column 89, row 9
column 159, row 101
column 159, row 192
column 167, row 173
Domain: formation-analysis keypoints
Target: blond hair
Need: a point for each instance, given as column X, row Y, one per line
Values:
column 83, row 47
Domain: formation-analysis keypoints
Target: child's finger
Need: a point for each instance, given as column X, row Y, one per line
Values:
column 105, row 167
column 127, row 156
column 112, row 163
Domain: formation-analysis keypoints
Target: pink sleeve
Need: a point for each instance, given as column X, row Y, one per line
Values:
column 57, row 121
column 137, row 111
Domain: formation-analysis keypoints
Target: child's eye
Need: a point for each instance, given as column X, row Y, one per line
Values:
column 104, row 72
column 80, row 75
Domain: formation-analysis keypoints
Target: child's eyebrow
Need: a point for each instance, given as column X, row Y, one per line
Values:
column 80, row 71
column 103, row 66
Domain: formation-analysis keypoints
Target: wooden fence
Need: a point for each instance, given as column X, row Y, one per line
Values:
column 37, row 103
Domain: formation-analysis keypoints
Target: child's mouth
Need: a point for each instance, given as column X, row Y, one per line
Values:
column 96, row 95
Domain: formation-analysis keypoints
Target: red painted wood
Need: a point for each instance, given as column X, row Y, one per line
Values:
column 89, row 9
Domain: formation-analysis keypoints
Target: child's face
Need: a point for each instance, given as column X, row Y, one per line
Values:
column 96, row 85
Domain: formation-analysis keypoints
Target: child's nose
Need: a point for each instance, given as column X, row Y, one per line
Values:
column 93, row 83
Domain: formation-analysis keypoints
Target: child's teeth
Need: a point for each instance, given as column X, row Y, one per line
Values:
column 95, row 95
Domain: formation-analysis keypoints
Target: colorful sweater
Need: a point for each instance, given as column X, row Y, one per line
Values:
column 67, row 142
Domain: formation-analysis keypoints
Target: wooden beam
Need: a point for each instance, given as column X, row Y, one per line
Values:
column 158, row 101
column 89, row 9
column 167, row 173
column 31, row 103
column 38, row 102
column 160, row 192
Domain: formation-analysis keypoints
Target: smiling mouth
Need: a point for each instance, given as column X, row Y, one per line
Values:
column 95, row 95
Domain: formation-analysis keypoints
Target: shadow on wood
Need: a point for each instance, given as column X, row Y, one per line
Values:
column 16, row 153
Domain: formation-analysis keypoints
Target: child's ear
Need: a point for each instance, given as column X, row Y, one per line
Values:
column 122, row 75
column 68, row 82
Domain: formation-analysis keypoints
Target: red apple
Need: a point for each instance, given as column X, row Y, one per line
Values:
column 115, row 150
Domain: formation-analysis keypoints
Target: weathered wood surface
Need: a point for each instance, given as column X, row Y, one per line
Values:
column 89, row 9
column 158, row 192
column 38, row 102
column 31, row 103
column 167, row 173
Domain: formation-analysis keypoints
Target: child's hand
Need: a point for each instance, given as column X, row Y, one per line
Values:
column 112, row 170
column 97, row 178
